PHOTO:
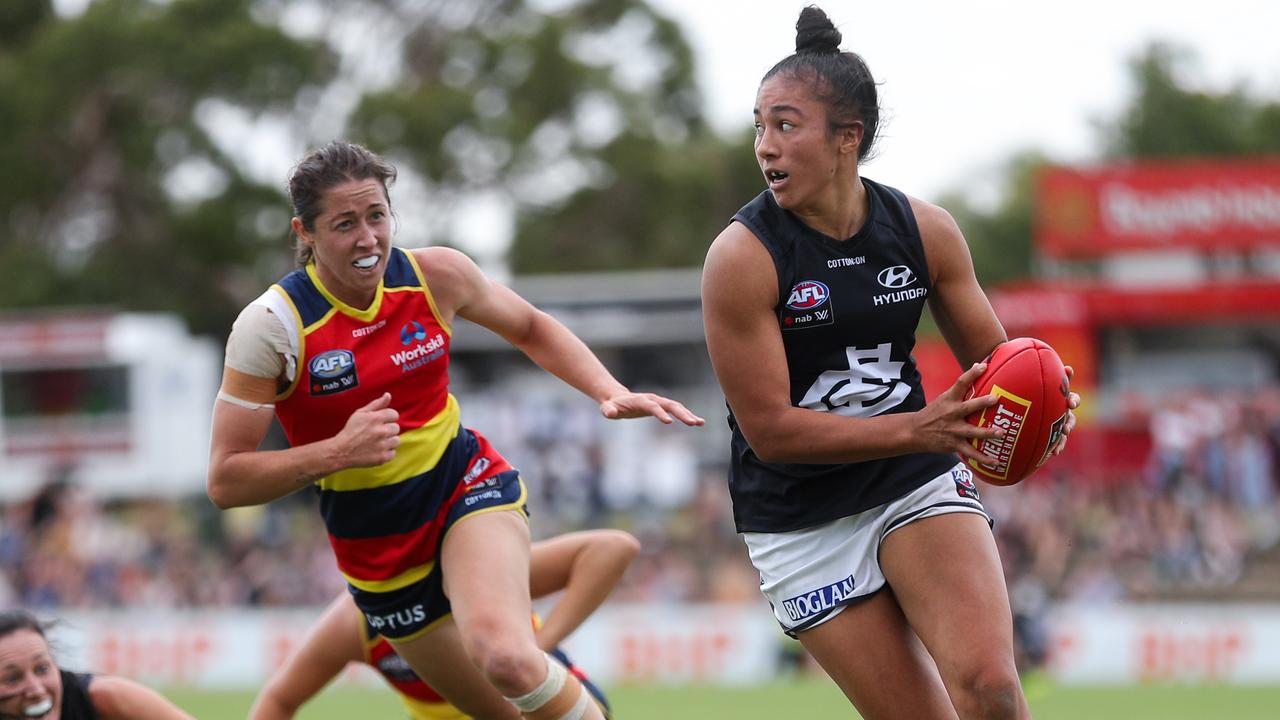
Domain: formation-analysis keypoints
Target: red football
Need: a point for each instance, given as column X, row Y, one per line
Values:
column 1028, row 378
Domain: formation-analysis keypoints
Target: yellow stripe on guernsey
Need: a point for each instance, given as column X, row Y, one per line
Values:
column 404, row 579
column 420, row 449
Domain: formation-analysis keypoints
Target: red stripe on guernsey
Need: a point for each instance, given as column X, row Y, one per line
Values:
column 348, row 362
column 382, row 656
column 378, row 559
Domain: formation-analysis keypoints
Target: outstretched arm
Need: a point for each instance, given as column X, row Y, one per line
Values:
column 460, row 287
column 117, row 698
column 328, row 646
column 586, row 565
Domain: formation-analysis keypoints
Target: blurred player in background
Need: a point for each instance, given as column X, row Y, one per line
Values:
column 871, row 541
column 427, row 521
column 585, row 565
column 34, row 687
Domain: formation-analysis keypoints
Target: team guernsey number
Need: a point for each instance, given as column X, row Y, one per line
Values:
column 871, row 385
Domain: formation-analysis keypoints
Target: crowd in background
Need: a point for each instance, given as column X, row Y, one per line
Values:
column 1192, row 519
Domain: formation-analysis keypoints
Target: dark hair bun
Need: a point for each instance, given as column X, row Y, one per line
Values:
column 815, row 33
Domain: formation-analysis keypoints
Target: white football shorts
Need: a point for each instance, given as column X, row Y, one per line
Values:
column 809, row 576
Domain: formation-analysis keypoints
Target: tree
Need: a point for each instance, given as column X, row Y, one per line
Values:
column 1169, row 117
column 124, row 186
column 660, row 207
column 1000, row 239
column 585, row 122
column 114, row 190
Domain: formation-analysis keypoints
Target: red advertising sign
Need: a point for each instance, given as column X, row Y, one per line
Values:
column 1204, row 205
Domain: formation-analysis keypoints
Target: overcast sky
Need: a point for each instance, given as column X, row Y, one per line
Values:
column 966, row 83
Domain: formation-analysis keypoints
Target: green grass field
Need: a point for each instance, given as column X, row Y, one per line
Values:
column 807, row 698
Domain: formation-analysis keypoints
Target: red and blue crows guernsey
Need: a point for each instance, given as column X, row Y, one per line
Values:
column 386, row 522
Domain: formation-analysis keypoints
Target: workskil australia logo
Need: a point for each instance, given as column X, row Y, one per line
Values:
column 421, row 353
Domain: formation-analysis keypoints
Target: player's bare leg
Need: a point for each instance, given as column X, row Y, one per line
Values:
column 486, row 576
column 875, row 658
column 960, row 610
column 440, row 659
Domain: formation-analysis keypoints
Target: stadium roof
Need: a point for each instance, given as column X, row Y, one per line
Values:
column 608, row 309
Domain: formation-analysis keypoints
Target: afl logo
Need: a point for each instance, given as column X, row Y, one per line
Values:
column 898, row 276
column 807, row 295
column 411, row 331
column 332, row 363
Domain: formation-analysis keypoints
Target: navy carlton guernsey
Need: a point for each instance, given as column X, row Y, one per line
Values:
column 847, row 311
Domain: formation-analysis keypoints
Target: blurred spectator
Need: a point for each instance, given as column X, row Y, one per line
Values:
column 1208, row 502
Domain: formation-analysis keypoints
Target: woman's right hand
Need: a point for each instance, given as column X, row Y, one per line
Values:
column 941, row 426
column 370, row 436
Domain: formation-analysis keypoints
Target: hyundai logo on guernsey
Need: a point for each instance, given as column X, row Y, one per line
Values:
column 899, row 278
column 820, row 600
column 807, row 306
column 332, row 372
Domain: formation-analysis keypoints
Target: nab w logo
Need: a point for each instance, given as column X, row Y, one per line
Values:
column 332, row 363
column 807, row 294
column 898, row 276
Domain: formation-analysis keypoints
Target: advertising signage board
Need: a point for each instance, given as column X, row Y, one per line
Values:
column 1205, row 206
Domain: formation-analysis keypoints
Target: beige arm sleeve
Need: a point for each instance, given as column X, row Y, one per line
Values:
column 258, row 344
column 259, row 347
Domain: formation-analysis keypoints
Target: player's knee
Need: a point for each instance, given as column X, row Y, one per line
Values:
column 621, row 540
column 511, row 664
column 990, row 690
column 559, row 696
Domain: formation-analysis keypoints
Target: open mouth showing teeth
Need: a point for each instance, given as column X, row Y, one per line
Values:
column 777, row 176
column 365, row 263
column 38, row 709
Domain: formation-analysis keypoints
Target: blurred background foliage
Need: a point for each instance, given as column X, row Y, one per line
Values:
column 137, row 136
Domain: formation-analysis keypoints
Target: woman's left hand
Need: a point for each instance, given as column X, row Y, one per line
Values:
column 635, row 405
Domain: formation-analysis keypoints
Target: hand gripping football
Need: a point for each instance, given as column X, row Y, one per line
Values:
column 1027, row 377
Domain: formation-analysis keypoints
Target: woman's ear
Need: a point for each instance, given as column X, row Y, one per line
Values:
column 301, row 232
column 851, row 137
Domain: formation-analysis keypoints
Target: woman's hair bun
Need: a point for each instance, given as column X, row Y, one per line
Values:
column 815, row 33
